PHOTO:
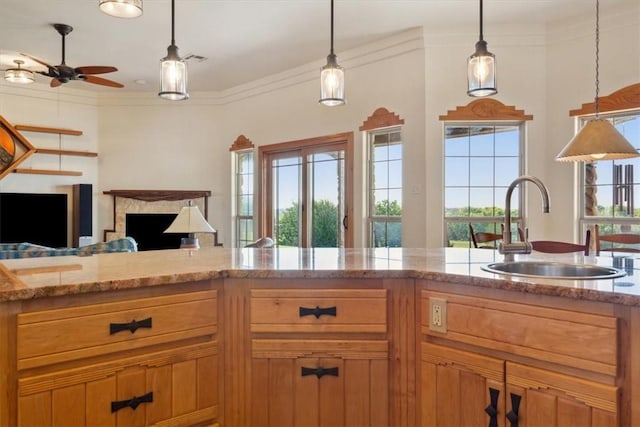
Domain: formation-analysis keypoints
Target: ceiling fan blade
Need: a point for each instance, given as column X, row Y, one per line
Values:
column 101, row 81
column 95, row 69
column 55, row 82
column 39, row 61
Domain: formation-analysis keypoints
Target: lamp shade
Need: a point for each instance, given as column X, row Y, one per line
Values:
column 332, row 83
column 481, row 72
column 190, row 220
column 597, row 140
column 173, row 76
column 122, row 8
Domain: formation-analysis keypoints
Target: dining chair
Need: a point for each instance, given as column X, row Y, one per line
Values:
column 556, row 247
column 263, row 242
column 617, row 242
column 484, row 237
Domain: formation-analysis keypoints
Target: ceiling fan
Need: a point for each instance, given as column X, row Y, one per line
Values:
column 63, row 73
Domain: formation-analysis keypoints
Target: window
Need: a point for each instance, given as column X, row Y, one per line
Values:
column 480, row 162
column 611, row 187
column 306, row 194
column 244, row 198
column 385, row 188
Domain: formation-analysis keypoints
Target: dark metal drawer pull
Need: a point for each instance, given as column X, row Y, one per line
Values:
column 492, row 409
column 131, row 403
column 513, row 415
column 131, row 326
column 329, row 311
column 319, row 372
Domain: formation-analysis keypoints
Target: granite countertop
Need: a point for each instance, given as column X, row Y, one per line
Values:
column 65, row 275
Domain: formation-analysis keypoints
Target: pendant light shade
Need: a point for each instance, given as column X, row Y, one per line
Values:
column 122, row 8
column 332, row 77
column 481, row 69
column 598, row 139
column 173, row 70
column 19, row 75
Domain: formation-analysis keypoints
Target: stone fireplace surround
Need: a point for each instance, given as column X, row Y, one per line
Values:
column 156, row 201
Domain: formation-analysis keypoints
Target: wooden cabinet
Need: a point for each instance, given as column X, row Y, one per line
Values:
column 319, row 352
column 123, row 362
column 503, row 363
column 312, row 370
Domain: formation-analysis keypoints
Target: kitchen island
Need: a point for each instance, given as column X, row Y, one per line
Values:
column 248, row 337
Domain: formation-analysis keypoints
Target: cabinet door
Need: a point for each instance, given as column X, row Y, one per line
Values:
column 178, row 386
column 460, row 388
column 346, row 387
column 541, row 398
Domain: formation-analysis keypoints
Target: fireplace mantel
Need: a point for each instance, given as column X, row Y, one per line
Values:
column 159, row 201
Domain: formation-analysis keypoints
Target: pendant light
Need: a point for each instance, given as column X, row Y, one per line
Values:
column 598, row 139
column 122, row 8
column 19, row 75
column 332, row 77
column 481, row 69
column 173, row 69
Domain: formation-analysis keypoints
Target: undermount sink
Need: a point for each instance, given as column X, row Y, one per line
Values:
column 554, row 270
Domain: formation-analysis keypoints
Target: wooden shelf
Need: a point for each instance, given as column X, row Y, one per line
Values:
column 41, row 129
column 66, row 152
column 47, row 172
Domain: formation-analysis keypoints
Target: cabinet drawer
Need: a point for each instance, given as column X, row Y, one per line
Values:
column 52, row 336
column 319, row 310
column 546, row 334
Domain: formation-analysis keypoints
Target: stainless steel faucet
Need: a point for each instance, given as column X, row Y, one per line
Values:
column 507, row 247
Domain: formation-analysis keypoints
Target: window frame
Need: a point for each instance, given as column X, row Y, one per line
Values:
column 371, row 218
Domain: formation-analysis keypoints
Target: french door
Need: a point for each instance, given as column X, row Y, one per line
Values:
column 305, row 188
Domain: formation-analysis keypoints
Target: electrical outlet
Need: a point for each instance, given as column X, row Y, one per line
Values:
column 438, row 314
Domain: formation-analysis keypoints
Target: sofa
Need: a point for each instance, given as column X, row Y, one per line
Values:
column 30, row 250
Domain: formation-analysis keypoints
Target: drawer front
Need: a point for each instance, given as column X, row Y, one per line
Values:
column 52, row 336
column 319, row 310
column 547, row 334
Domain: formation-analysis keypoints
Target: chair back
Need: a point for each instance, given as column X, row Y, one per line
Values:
column 263, row 242
column 484, row 237
column 555, row 247
column 617, row 241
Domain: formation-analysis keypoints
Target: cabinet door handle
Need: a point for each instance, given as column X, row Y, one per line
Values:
column 492, row 409
column 319, row 372
column 328, row 311
column 131, row 326
column 132, row 403
column 512, row 416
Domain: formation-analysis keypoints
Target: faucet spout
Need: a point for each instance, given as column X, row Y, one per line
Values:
column 507, row 247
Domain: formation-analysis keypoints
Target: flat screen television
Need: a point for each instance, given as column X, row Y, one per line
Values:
column 38, row 218
column 148, row 231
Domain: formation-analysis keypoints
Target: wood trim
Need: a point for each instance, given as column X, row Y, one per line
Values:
column 41, row 129
column 156, row 195
column 627, row 98
column 381, row 118
column 47, row 172
column 241, row 143
column 66, row 152
column 28, row 148
column 486, row 109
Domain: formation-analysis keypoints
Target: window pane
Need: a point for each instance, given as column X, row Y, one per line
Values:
column 508, row 169
column 395, row 152
column 380, row 175
column 380, row 153
column 457, row 147
column 482, row 144
column 508, row 141
column 395, row 174
column 456, row 171
column 482, row 171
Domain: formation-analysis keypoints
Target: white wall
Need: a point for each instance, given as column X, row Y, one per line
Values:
column 147, row 143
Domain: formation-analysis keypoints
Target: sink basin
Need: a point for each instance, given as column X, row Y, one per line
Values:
column 553, row 270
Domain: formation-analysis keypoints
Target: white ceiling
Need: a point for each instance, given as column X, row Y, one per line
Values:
column 243, row 40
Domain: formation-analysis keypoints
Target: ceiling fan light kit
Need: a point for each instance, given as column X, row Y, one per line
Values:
column 19, row 75
column 481, row 68
column 332, row 77
column 122, row 8
column 173, row 69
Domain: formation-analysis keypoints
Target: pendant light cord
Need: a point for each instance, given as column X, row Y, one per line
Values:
column 597, row 100
column 173, row 21
column 481, row 36
column 331, row 27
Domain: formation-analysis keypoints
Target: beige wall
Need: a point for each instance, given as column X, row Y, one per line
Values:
column 147, row 143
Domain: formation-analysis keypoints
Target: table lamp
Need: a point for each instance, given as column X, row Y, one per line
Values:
column 190, row 221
